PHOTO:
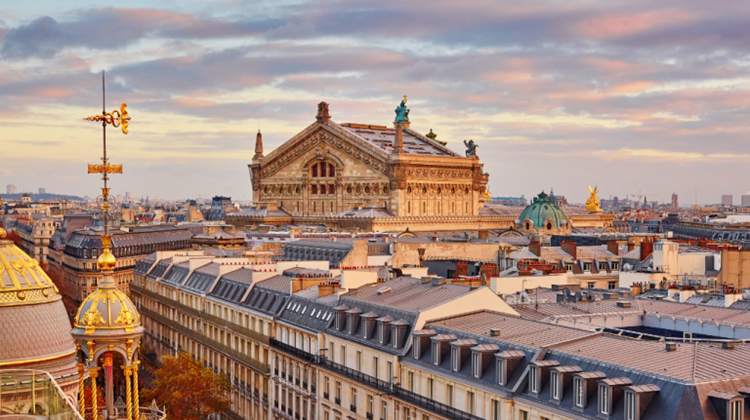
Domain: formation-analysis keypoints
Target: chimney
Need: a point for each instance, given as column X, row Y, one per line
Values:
column 631, row 246
column 635, row 289
column 729, row 345
column 671, row 347
column 613, row 247
column 571, row 247
column 398, row 143
column 258, row 146
column 646, row 249
column 535, row 248
column 327, row 289
column 494, row 332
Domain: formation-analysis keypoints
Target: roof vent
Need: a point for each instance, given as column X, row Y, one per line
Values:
column 384, row 290
column 438, row 281
column 729, row 345
column 671, row 347
column 494, row 332
column 624, row 304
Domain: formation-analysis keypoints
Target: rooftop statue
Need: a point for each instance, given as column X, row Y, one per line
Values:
column 592, row 204
column 402, row 112
column 471, row 148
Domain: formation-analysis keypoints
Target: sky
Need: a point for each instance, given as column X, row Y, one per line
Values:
column 635, row 97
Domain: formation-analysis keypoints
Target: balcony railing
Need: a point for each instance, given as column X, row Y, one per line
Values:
column 262, row 367
column 372, row 382
column 200, row 314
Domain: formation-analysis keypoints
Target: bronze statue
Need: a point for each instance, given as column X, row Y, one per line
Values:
column 471, row 148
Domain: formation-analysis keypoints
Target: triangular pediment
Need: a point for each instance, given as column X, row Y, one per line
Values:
column 316, row 135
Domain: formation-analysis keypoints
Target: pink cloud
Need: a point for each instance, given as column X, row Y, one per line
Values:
column 617, row 25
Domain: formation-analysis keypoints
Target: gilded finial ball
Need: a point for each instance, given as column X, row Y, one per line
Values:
column 3, row 233
column 106, row 261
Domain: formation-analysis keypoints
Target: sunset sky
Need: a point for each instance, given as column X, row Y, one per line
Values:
column 648, row 96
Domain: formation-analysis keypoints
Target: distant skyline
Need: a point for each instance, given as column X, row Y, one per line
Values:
column 626, row 95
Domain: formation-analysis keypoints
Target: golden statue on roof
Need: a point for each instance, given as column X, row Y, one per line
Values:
column 592, row 204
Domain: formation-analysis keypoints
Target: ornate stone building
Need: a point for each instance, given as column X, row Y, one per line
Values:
column 330, row 168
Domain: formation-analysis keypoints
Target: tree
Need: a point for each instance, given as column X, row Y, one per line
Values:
column 189, row 390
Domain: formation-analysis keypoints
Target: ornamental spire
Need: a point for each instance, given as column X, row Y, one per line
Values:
column 258, row 146
column 119, row 119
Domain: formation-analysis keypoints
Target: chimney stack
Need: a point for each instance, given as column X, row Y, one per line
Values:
column 613, row 247
column 571, row 247
column 535, row 247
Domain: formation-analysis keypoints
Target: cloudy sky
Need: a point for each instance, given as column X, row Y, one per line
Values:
column 632, row 96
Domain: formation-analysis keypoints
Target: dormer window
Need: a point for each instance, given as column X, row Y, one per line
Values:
column 455, row 361
column 421, row 340
column 578, row 388
column 506, row 364
column 555, row 385
column 728, row 405
column 394, row 334
column 415, row 350
column 534, row 379
column 381, row 333
column 436, row 353
column 476, row 365
column 604, row 399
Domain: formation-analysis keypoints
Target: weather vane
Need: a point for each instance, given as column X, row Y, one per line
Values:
column 119, row 119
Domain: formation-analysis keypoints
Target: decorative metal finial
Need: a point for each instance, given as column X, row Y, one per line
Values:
column 119, row 119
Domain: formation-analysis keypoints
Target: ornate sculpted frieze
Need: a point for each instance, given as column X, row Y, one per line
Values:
column 311, row 141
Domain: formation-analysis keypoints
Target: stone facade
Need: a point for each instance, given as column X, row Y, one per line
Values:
column 329, row 168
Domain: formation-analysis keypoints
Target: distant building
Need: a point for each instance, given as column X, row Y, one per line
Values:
column 746, row 199
column 42, row 191
column 511, row 201
column 12, row 189
column 726, row 199
column 675, row 203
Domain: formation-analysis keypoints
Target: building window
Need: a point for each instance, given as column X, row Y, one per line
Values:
column 343, row 355
column 327, row 387
column 436, row 353
column 415, row 351
column 735, row 410
column 495, row 410
column 359, row 361
column 407, row 414
column 630, row 406
column 501, row 372
column 332, row 348
column 375, row 367
column 476, row 365
column 470, row 402
column 353, row 401
column 523, row 415
column 533, row 379
column 370, row 404
column 381, row 333
column 411, row 381
column 578, row 388
column 454, row 359
column 449, row 394
column 389, row 365
column 591, row 285
column 338, row 392
column 555, row 385
column 384, row 414
column 394, row 336
column 431, row 388
column 604, row 399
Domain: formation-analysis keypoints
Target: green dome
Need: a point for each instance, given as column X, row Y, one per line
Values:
column 542, row 209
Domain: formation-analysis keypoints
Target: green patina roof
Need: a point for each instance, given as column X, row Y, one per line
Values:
column 542, row 209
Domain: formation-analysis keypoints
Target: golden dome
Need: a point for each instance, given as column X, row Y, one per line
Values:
column 106, row 261
column 22, row 280
column 105, row 311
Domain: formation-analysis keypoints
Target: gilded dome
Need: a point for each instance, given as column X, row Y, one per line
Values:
column 34, row 326
column 541, row 210
column 106, row 311
column 22, row 280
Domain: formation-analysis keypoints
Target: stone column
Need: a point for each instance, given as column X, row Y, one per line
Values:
column 108, row 385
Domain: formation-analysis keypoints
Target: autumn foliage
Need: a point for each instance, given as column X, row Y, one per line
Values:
column 189, row 390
